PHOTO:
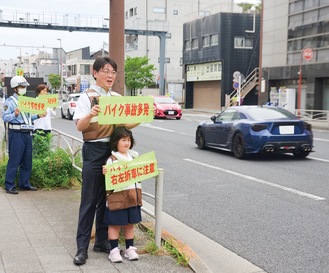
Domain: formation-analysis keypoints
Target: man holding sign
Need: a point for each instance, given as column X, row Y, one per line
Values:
column 20, row 129
column 95, row 150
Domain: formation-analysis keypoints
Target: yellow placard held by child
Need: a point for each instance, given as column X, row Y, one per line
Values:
column 122, row 174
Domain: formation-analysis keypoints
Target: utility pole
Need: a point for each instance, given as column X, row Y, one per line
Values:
column 60, row 63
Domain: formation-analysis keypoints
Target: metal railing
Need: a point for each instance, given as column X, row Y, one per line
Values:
column 247, row 85
column 73, row 147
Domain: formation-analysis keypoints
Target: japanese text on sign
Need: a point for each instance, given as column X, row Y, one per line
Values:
column 37, row 105
column 122, row 174
column 118, row 110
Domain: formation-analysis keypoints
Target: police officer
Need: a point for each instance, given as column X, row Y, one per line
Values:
column 20, row 129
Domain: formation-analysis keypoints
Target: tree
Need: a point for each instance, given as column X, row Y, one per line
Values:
column 247, row 6
column 138, row 73
column 55, row 80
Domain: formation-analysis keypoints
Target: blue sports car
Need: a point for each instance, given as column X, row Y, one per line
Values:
column 253, row 129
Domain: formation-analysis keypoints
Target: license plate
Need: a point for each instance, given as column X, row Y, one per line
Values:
column 171, row 112
column 287, row 130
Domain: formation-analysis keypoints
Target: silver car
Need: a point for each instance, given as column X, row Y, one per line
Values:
column 68, row 106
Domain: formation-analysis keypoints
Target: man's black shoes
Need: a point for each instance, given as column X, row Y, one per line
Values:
column 81, row 257
column 31, row 188
column 102, row 247
column 12, row 191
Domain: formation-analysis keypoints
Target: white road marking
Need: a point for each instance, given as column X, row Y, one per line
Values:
column 314, row 197
column 319, row 159
column 155, row 127
column 321, row 139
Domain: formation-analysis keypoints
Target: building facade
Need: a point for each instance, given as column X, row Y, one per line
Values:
column 164, row 15
column 215, row 47
column 295, row 50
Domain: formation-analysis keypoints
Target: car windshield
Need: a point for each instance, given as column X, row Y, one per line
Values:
column 164, row 100
column 263, row 113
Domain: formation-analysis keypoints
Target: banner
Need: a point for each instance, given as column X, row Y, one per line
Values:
column 51, row 101
column 31, row 105
column 37, row 105
column 126, row 109
column 121, row 174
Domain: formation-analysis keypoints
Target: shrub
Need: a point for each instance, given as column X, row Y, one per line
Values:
column 51, row 168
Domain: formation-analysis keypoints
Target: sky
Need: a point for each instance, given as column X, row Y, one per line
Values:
column 15, row 42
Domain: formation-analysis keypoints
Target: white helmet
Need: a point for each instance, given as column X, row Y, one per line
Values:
column 18, row 81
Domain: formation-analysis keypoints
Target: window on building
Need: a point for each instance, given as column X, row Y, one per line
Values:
column 127, row 14
column 195, row 43
column 311, row 16
column 135, row 11
column 131, row 12
column 206, row 41
column 295, row 20
column 187, row 45
column 324, row 14
column 296, row 6
column 242, row 42
column 159, row 10
column 214, row 39
column 84, row 69
column 324, row 2
column 323, row 55
column 175, row 12
column 309, row 4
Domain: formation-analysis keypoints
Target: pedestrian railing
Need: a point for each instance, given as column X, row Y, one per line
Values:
column 73, row 147
column 314, row 115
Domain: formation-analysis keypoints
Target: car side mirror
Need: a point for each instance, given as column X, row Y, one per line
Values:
column 213, row 118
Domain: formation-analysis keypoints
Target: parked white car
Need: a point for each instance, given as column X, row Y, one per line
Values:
column 68, row 106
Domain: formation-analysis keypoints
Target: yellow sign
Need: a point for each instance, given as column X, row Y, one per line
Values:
column 37, row 105
column 127, row 109
column 122, row 174
column 19, row 72
column 51, row 101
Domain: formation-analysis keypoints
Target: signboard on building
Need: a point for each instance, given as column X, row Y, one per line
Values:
column 204, row 72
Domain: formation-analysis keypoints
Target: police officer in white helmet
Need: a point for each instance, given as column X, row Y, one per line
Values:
column 20, row 127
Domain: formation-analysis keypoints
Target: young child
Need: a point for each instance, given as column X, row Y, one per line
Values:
column 121, row 143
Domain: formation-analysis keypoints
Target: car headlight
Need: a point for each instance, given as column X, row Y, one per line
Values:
column 159, row 107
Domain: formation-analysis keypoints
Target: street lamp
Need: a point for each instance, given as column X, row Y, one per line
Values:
column 60, row 63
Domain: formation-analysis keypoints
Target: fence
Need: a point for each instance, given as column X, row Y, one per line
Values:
column 73, row 146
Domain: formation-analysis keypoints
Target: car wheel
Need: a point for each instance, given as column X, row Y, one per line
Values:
column 62, row 114
column 238, row 146
column 301, row 154
column 70, row 117
column 200, row 142
column 178, row 118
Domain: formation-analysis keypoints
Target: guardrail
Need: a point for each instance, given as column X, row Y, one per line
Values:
column 73, row 147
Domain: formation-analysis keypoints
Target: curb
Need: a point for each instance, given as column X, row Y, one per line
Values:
column 194, row 262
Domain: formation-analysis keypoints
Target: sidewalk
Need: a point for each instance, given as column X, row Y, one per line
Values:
column 37, row 234
column 38, row 229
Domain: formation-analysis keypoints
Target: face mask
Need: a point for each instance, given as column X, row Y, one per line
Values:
column 21, row 91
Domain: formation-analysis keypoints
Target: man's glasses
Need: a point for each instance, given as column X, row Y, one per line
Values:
column 109, row 72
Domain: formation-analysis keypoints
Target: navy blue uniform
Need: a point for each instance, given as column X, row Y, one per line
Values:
column 20, row 144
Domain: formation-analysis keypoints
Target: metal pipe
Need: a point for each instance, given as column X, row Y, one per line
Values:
column 158, row 207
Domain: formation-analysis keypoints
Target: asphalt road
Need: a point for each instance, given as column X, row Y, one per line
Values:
column 272, row 211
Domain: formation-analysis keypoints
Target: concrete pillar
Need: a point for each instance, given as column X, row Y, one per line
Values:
column 117, row 41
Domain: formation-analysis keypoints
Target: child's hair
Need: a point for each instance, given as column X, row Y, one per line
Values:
column 118, row 133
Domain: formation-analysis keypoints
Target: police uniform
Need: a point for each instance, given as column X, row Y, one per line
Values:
column 20, row 144
column 95, row 151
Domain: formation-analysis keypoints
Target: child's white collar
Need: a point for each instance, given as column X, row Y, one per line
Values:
column 121, row 157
